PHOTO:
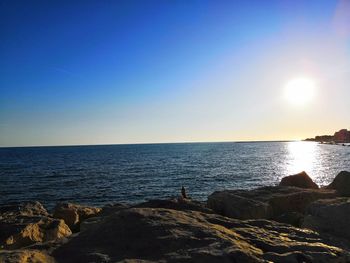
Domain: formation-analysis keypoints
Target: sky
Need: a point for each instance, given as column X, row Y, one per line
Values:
column 110, row 72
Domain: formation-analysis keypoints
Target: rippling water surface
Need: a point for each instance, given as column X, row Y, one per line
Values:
column 98, row 175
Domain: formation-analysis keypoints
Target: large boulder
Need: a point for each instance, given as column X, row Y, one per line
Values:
column 331, row 216
column 265, row 202
column 25, row 256
column 341, row 183
column 166, row 235
column 294, row 199
column 25, row 224
column 74, row 214
column 232, row 204
column 301, row 180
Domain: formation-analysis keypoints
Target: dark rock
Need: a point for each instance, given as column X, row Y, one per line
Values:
column 265, row 202
column 112, row 208
column 176, row 204
column 291, row 218
column 166, row 235
column 293, row 199
column 301, row 180
column 231, row 204
column 331, row 216
column 341, row 183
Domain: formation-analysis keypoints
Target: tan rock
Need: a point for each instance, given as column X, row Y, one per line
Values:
column 25, row 256
column 25, row 224
column 23, row 209
column 74, row 214
column 22, row 232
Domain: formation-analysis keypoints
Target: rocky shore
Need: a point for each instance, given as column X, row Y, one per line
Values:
column 295, row 221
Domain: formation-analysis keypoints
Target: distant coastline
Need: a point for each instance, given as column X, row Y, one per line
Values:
column 341, row 136
column 141, row 143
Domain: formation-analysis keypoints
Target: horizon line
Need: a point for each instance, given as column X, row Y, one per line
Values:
column 147, row 143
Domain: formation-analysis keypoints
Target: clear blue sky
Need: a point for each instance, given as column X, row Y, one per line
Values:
column 99, row 72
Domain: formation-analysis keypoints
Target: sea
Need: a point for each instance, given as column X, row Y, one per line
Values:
column 106, row 174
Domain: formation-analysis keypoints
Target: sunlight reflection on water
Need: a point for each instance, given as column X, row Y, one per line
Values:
column 315, row 159
column 302, row 156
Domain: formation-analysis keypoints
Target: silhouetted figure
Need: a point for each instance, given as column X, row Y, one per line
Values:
column 183, row 192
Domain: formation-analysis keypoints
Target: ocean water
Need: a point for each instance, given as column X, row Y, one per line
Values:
column 97, row 175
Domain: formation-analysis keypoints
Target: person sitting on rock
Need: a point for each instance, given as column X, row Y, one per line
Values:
column 183, row 193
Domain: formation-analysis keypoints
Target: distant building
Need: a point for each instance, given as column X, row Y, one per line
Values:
column 342, row 136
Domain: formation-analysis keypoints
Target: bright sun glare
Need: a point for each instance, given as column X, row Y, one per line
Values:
column 300, row 91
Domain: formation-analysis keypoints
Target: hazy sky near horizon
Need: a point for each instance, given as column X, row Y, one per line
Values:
column 100, row 72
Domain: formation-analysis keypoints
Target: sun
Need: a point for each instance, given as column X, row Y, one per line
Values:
column 300, row 91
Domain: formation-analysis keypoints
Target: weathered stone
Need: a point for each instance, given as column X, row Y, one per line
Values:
column 70, row 217
column 181, row 204
column 175, row 204
column 296, row 199
column 23, row 209
column 265, row 202
column 90, row 222
column 341, row 183
column 107, row 210
column 23, row 231
column 74, row 214
column 166, row 235
column 25, row 224
column 301, row 180
column 25, row 256
column 229, row 203
column 291, row 218
column 331, row 216
column 112, row 208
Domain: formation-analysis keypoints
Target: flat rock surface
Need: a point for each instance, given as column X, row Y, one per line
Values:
column 265, row 202
column 166, row 235
column 176, row 204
